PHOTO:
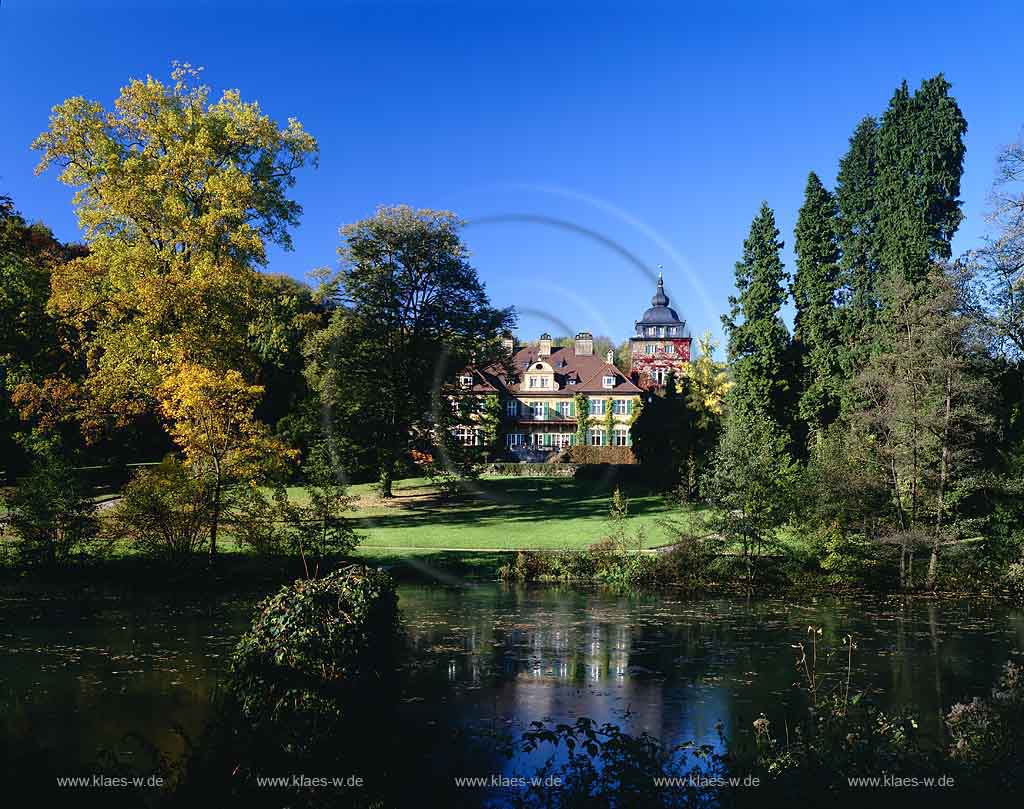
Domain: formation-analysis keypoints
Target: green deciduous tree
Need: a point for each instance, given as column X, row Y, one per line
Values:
column 413, row 313
column 925, row 407
column 816, row 328
column 51, row 513
column 758, row 339
column 752, row 481
column 34, row 345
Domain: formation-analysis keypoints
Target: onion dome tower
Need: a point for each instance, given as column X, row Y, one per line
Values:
column 661, row 344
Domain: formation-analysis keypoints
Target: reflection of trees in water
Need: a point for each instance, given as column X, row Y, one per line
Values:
column 675, row 667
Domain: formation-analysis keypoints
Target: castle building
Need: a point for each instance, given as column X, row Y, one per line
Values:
column 661, row 344
column 538, row 394
column 538, row 386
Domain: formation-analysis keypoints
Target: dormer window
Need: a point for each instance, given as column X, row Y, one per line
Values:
column 608, row 381
column 466, row 381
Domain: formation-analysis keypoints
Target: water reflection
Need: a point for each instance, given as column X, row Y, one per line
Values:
column 77, row 673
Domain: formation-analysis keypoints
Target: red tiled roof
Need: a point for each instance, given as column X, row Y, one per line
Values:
column 585, row 371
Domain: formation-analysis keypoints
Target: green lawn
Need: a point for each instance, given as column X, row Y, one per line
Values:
column 505, row 513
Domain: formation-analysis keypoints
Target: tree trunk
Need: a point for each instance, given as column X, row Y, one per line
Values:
column 933, row 562
column 386, row 478
column 216, row 518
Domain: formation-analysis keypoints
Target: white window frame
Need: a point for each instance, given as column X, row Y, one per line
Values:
column 597, row 407
column 595, row 438
column 650, row 348
column 466, row 380
column 670, row 348
column 565, row 409
column 608, row 381
column 514, row 440
column 467, row 436
column 512, row 407
column 620, row 437
column 620, row 407
column 537, row 410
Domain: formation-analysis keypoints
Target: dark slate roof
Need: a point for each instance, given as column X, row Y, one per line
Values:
column 660, row 314
column 573, row 374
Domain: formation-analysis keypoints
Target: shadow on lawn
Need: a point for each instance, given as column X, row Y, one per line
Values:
column 514, row 500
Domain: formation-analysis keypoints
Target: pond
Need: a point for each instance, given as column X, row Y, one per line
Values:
column 78, row 673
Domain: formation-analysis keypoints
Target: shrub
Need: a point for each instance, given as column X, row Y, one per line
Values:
column 166, row 511
column 988, row 735
column 587, row 454
column 531, row 469
column 601, row 766
column 278, row 525
column 50, row 513
column 319, row 652
column 686, row 563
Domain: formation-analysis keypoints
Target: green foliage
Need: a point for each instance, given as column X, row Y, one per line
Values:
column 166, row 512
column 856, row 199
column 920, row 153
column 490, row 420
column 51, row 514
column 33, row 344
column 816, row 328
column 319, row 652
column 603, row 767
column 665, row 438
column 752, row 481
column 316, row 530
column 412, row 312
column 758, row 339
column 581, row 404
column 587, row 455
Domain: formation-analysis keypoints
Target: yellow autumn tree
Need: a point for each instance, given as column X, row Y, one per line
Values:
column 708, row 380
column 210, row 416
column 179, row 196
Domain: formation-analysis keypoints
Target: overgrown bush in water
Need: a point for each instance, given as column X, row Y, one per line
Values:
column 310, row 689
column 51, row 514
column 166, row 511
column 317, row 651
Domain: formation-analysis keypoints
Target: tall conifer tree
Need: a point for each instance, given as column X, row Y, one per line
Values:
column 816, row 334
column 920, row 161
column 758, row 339
column 856, row 186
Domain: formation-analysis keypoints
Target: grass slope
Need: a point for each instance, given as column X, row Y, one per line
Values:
column 503, row 513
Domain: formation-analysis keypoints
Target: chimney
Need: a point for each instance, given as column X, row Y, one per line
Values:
column 508, row 343
column 610, row 359
column 584, row 344
column 544, row 349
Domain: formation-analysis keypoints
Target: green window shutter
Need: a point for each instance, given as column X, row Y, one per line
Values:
column 572, row 409
column 629, row 407
column 629, row 438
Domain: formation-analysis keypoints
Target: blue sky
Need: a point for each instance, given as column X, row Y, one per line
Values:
column 584, row 143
